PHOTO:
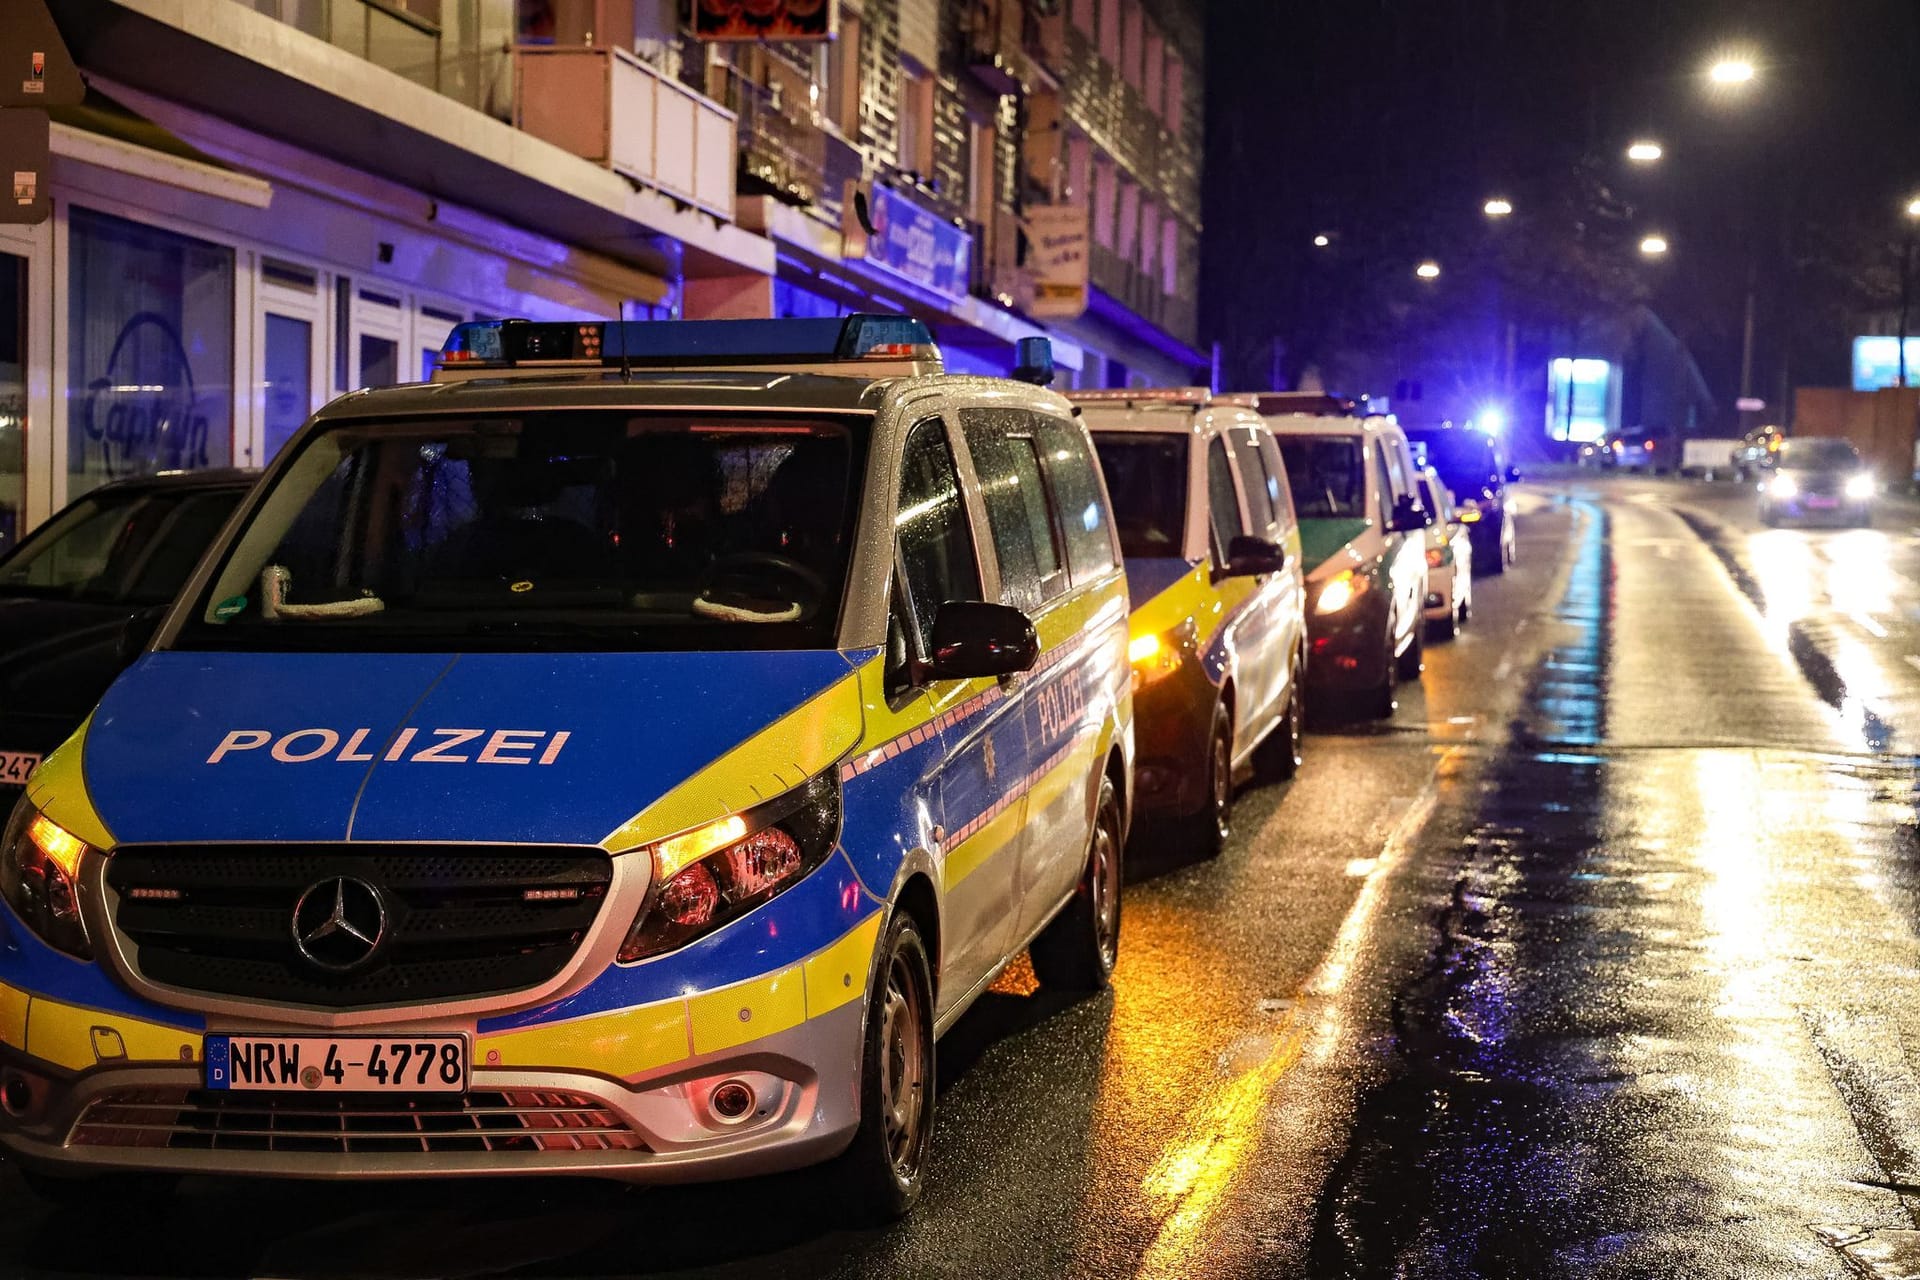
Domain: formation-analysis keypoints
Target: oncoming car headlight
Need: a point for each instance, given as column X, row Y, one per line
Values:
column 710, row 875
column 1860, row 487
column 1783, row 485
column 39, row 872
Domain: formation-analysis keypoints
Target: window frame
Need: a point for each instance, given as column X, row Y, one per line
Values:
column 899, row 588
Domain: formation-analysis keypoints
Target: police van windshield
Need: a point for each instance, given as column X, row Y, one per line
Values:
column 581, row 529
column 1147, row 478
column 1328, row 476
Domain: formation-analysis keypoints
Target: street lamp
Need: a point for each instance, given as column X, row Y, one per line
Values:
column 1729, row 72
column 1645, row 152
column 1498, row 208
column 1321, row 241
column 1428, row 270
column 1654, row 246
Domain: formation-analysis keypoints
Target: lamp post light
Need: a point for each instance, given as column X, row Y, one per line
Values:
column 1498, row 208
column 1645, row 151
column 1654, row 246
column 1322, row 240
column 1728, row 72
column 1428, row 270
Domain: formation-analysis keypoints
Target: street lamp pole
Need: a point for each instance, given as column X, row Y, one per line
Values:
column 1906, row 285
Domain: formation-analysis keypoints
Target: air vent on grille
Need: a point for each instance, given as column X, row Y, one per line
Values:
column 532, row 1120
column 456, row 923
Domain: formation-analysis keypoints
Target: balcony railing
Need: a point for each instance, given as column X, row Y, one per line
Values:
column 607, row 106
column 1142, row 293
column 1011, row 47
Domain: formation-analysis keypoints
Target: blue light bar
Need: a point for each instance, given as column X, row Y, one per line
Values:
column 643, row 343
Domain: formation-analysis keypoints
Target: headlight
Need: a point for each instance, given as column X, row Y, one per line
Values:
column 1439, row 557
column 39, row 868
column 1783, row 485
column 1339, row 591
column 1860, row 487
column 713, row 874
column 1154, row 656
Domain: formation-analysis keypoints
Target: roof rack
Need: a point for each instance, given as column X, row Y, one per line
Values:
column 1194, row 396
column 868, row 345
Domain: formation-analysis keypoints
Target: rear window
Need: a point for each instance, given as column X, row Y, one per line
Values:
column 1328, row 476
column 1465, row 459
column 1147, row 481
column 1818, row 453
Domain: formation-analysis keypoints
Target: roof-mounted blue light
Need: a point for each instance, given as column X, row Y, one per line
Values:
column 681, row 343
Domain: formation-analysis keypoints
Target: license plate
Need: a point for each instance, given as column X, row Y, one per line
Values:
column 17, row 766
column 1818, row 503
column 338, row 1064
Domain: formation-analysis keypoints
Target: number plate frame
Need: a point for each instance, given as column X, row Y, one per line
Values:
column 362, row 1060
column 17, row 766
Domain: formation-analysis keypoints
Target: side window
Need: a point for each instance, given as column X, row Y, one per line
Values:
column 935, row 543
column 1223, row 503
column 1277, row 485
column 1253, row 481
column 1075, row 481
column 1378, row 450
column 1007, row 462
column 1396, row 471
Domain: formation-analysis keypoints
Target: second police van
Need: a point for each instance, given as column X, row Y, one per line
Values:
column 1215, row 574
column 622, row 756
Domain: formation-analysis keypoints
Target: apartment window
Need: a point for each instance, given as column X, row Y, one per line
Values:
column 1110, row 31
column 1170, row 258
column 916, row 122
column 843, row 84
column 1149, row 236
column 1126, row 236
column 1079, row 170
column 1104, row 181
column 1131, row 41
column 1083, row 16
column 1176, row 93
column 1156, row 72
column 980, row 171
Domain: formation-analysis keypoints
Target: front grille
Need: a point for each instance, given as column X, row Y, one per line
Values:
column 531, row 1120
column 459, row 923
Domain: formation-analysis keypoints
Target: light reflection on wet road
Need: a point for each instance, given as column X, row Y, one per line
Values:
column 1600, row 959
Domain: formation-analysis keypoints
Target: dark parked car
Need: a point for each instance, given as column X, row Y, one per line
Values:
column 1471, row 463
column 1818, row 479
column 79, row 595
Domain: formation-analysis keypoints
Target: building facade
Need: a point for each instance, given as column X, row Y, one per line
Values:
column 261, row 205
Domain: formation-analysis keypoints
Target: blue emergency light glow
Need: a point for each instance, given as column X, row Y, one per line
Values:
column 689, row 342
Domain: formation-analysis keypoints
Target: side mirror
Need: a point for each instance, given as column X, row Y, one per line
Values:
column 135, row 632
column 972, row 639
column 1408, row 516
column 1249, row 557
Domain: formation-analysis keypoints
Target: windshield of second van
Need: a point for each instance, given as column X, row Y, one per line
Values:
column 1147, row 480
column 1328, row 476
column 571, row 529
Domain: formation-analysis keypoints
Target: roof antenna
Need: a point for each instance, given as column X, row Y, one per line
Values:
column 626, row 360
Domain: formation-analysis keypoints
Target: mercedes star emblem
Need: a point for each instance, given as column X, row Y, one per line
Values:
column 339, row 923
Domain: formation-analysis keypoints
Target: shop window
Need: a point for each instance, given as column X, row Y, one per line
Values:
column 13, row 397
column 150, row 355
column 289, row 366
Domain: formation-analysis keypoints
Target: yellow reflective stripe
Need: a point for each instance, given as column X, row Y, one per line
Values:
column 631, row 1042
column 625, row 1043
column 1197, row 597
column 13, row 1017
column 975, row 844
column 747, row 1011
column 838, row 975
column 78, row 1038
column 797, row 746
column 59, row 788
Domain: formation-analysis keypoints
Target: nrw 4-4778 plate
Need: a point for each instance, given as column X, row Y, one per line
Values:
column 338, row 1064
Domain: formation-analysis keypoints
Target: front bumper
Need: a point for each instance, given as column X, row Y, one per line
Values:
column 1172, row 716
column 1846, row 511
column 1350, row 650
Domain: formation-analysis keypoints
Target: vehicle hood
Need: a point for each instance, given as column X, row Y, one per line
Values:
column 1321, row 540
column 297, row 766
column 57, row 656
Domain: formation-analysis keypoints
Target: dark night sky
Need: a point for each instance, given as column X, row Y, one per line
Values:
column 1388, row 122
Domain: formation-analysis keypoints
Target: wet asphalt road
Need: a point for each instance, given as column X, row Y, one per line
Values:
column 1600, row 959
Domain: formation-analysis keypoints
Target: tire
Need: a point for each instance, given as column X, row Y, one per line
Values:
column 1078, row 948
column 1444, row 628
column 1204, row 832
column 1279, row 757
column 881, row 1173
column 1500, row 559
column 1381, row 701
column 1413, row 660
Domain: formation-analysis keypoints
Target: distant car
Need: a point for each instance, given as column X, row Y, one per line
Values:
column 1818, row 480
column 1473, row 465
column 1757, row 451
column 1637, row 451
column 1449, row 600
column 74, row 591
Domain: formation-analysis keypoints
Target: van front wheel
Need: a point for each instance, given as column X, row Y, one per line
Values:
column 883, row 1170
column 1077, row 950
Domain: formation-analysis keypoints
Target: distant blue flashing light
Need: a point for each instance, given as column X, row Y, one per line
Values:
column 1491, row 419
column 688, row 342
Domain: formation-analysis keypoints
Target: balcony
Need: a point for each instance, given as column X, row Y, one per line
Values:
column 1013, row 48
column 1141, row 292
column 607, row 106
column 463, row 51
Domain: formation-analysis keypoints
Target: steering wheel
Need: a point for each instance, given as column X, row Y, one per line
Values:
column 752, row 560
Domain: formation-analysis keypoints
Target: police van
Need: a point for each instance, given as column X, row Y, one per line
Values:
column 1214, row 573
column 622, row 756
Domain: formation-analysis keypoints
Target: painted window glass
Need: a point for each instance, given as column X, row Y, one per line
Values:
column 150, row 356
